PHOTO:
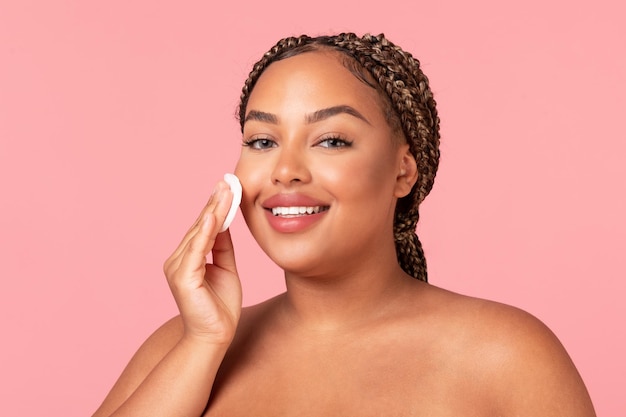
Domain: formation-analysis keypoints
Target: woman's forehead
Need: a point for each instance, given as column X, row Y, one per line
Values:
column 312, row 79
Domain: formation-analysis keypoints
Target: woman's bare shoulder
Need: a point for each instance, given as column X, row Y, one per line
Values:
column 518, row 358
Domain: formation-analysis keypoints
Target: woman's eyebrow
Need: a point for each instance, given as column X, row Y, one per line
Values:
column 314, row 117
column 261, row 116
column 322, row 114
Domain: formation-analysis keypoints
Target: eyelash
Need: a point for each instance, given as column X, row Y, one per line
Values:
column 339, row 142
column 269, row 143
column 253, row 143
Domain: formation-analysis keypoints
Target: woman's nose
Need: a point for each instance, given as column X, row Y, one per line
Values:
column 291, row 166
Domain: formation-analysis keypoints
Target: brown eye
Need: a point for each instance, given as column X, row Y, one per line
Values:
column 334, row 143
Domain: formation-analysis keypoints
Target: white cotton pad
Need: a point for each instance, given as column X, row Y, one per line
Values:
column 235, row 187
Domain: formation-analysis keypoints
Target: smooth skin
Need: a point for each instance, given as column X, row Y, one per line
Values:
column 353, row 334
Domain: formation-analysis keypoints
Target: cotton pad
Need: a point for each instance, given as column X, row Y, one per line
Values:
column 235, row 187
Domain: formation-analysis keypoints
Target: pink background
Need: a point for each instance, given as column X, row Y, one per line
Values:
column 116, row 118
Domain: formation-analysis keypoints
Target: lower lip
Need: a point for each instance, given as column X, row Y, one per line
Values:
column 293, row 224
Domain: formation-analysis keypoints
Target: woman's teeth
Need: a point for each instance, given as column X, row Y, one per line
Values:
column 295, row 211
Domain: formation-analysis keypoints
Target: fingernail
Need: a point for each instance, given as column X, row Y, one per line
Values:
column 218, row 187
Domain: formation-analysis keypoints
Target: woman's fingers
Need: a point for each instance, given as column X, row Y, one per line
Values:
column 191, row 262
column 208, row 208
column 193, row 258
column 218, row 202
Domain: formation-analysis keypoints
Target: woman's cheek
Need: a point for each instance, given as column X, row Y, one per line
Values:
column 250, row 183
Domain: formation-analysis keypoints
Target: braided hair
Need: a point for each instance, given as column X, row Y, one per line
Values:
column 408, row 105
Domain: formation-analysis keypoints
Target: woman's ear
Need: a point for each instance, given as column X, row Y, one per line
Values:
column 407, row 172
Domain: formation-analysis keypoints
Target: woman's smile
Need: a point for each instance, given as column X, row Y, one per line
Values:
column 293, row 212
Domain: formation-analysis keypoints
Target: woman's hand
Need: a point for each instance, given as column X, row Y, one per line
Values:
column 208, row 295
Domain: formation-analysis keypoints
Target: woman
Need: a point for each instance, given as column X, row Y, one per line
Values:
column 340, row 140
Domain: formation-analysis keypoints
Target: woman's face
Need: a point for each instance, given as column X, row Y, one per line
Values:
column 320, row 168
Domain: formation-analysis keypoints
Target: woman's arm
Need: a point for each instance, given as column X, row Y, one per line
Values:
column 172, row 374
column 165, row 368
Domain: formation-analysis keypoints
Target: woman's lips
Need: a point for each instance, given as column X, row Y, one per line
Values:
column 290, row 213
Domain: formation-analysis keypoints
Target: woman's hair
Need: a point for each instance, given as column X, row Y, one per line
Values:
column 408, row 105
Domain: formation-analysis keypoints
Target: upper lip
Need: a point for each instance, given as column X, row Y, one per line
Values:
column 292, row 200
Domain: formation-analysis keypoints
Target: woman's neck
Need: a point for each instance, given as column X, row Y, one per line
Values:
column 346, row 298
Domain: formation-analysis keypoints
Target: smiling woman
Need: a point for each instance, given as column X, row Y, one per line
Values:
column 341, row 139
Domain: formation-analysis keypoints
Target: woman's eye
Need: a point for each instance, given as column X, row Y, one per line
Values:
column 260, row 143
column 334, row 143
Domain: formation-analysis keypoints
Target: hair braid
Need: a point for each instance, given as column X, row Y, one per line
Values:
column 409, row 107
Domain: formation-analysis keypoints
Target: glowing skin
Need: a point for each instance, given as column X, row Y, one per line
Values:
column 353, row 334
column 235, row 187
column 320, row 167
